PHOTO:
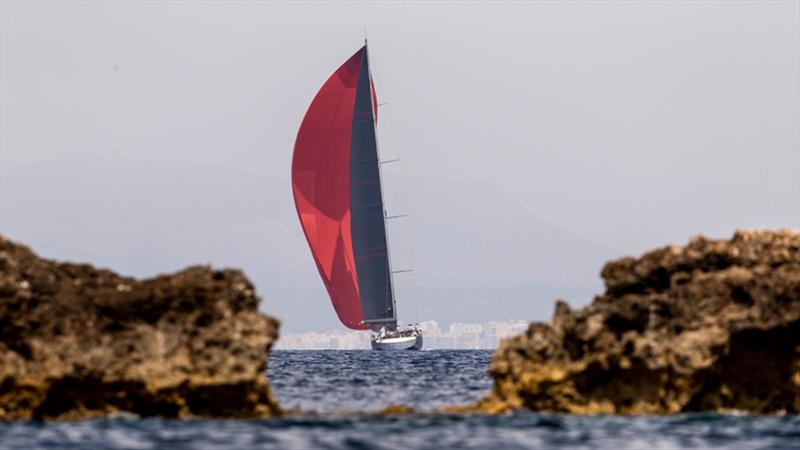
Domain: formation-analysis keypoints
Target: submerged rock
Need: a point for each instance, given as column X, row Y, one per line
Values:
column 79, row 342
column 712, row 326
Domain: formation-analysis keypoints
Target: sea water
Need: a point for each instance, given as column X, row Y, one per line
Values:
column 334, row 389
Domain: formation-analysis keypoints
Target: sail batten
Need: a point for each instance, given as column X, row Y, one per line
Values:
column 337, row 188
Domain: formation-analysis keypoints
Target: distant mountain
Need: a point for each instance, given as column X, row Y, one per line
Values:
column 490, row 256
column 478, row 255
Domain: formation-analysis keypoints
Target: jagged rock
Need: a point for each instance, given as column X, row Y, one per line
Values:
column 79, row 342
column 712, row 326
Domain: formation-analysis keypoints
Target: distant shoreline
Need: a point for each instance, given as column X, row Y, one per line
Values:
column 458, row 336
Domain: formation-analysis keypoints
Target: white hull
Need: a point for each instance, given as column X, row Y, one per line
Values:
column 398, row 343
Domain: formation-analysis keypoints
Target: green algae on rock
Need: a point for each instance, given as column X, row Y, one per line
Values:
column 78, row 342
column 711, row 326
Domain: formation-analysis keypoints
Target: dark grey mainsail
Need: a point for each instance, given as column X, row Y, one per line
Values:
column 368, row 217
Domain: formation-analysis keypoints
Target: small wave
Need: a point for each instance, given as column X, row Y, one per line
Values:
column 341, row 386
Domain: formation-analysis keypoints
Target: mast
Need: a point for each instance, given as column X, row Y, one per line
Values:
column 383, row 197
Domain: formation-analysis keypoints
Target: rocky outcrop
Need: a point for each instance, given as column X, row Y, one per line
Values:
column 712, row 326
column 80, row 342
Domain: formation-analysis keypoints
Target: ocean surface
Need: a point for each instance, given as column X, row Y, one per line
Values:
column 335, row 388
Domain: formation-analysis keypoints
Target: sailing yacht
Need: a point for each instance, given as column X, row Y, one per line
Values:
column 338, row 192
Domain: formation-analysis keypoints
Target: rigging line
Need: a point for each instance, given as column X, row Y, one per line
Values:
column 404, row 188
column 388, row 125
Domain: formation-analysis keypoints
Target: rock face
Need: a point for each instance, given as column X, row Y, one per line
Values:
column 80, row 342
column 712, row 326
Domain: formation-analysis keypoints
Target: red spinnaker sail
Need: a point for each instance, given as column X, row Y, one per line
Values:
column 337, row 191
column 321, row 186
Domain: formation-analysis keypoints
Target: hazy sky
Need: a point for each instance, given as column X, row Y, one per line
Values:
column 628, row 124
